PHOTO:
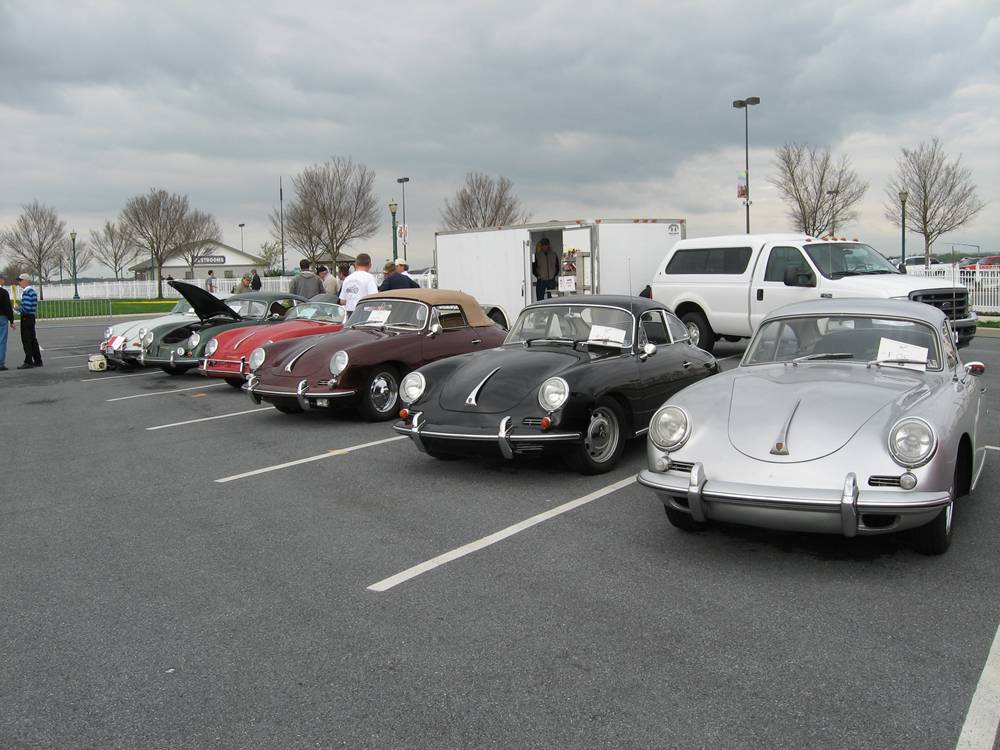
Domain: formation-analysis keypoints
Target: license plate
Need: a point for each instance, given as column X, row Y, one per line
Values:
column 324, row 402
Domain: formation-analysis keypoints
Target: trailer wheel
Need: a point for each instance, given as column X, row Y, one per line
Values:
column 699, row 331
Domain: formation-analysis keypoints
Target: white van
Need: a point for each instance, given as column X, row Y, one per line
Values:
column 722, row 287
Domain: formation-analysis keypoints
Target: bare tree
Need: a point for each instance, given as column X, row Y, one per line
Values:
column 64, row 259
column 940, row 195
column 35, row 240
column 483, row 201
column 303, row 231
column 270, row 253
column 198, row 234
column 114, row 248
column 821, row 192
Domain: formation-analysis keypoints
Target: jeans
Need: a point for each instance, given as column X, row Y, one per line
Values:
column 542, row 286
column 3, row 340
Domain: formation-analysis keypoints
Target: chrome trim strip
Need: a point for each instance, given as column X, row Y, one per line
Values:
column 781, row 442
column 696, row 484
column 471, row 399
column 300, row 391
column 293, row 360
column 250, row 386
column 848, row 505
column 503, row 438
column 237, row 344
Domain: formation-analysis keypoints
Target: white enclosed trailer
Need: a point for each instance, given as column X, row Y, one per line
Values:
column 597, row 256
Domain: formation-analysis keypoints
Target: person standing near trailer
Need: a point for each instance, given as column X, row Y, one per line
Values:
column 546, row 268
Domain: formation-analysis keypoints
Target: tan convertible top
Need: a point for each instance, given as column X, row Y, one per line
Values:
column 473, row 312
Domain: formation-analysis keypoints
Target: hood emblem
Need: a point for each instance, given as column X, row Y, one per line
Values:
column 471, row 400
column 781, row 442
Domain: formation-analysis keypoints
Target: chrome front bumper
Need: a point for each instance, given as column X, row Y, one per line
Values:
column 301, row 393
column 242, row 370
column 172, row 360
column 793, row 508
column 504, row 437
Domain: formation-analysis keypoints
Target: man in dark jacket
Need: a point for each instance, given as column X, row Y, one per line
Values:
column 6, row 319
column 395, row 280
column 255, row 281
column 306, row 284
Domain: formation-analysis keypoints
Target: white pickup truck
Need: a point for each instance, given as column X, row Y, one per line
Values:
column 722, row 287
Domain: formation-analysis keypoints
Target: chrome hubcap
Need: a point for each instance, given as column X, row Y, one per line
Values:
column 602, row 435
column 383, row 392
column 694, row 333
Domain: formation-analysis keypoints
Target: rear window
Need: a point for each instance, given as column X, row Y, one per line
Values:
column 715, row 260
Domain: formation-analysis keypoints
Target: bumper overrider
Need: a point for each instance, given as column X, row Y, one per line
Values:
column 306, row 399
column 224, row 367
column 503, row 436
column 847, row 511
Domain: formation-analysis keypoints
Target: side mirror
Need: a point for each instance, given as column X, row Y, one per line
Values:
column 795, row 276
column 648, row 350
column 434, row 329
column 975, row 368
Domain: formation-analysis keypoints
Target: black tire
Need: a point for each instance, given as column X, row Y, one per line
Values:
column 699, row 331
column 289, row 408
column 235, row 382
column 934, row 538
column 174, row 369
column 604, row 440
column 380, row 394
column 683, row 521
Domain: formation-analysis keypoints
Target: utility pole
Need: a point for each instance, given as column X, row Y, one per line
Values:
column 281, row 210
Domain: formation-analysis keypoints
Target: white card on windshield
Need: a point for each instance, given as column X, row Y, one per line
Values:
column 378, row 316
column 892, row 349
column 607, row 333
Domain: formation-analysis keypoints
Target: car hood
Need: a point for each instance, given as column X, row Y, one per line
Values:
column 245, row 340
column 501, row 378
column 323, row 346
column 792, row 414
column 130, row 328
column 889, row 285
column 206, row 305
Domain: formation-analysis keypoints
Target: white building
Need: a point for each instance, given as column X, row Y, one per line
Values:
column 227, row 263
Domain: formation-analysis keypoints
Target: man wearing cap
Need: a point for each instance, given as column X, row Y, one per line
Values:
column 6, row 319
column 396, row 279
column 403, row 267
column 29, row 311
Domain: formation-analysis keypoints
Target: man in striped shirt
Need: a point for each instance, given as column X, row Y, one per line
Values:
column 29, row 312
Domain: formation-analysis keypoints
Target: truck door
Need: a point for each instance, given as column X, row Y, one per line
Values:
column 769, row 290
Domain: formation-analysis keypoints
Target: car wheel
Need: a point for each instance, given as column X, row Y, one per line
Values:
column 603, row 439
column 699, row 331
column 174, row 369
column 683, row 521
column 235, row 382
column 934, row 538
column 380, row 394
column 288, row 408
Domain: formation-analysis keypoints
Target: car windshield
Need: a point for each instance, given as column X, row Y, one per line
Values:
column 608, row 326
column 838, row 259
column 321, row 311
column 247, row 308
column 869, row 340
column 381, row 313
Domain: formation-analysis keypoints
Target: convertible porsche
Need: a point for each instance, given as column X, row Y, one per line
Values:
column 579, row 375
column 387, row 336
column 177, row 347
column 845, row 416
column 227, row 353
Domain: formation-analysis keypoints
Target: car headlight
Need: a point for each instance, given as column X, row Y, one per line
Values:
column 211, row 346
column 193, row 340
column 338, row 362
column 257, row 358
column 553, row 393
column 142, row 333
column 148, row 338
column 412, row 387
column 108, row 332
column 669, row 428
column 912, row 442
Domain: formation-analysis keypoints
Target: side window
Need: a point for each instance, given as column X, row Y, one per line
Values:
column 715, row 260
column 654, row 328
column 950, row 350
column 678, row 331
column 780, row 259
column 450, row 316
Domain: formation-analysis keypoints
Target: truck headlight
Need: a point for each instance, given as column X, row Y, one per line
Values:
column 669, row 428
column 912, row 442
column 211, row 346
column 193, row 340
column 338, row 362
column 257, row 358
column 553, row 393
column 412, row 387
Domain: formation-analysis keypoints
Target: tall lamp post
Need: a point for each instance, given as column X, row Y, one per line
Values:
column 241, row 237
column 902, row 236
column 833, row 214
column 72, row 239
column 402, row 181
column 392, row 209
column 745, row 105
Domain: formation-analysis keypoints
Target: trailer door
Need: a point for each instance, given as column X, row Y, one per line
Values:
column 580, row 259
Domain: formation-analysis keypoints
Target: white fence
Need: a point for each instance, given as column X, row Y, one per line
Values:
column 983, row 284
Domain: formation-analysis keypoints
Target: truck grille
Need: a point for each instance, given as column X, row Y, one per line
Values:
column 952, row 302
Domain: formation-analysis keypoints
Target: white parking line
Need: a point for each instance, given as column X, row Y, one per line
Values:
column 320, row 457
column 209, row 419
column 979, row 732
column 161, row 393
column 113, row 377
column 486, row 541
column 67, row 356
column 75, row 367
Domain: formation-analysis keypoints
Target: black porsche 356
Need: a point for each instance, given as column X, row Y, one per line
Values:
column 577, row 374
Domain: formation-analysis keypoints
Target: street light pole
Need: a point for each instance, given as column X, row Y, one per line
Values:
column 402, row 181
column 745, row 105
column 833, row 214
column 72, row 238
column 241, row 237
column 392, row 209
column 281, row 208
column 902, row 237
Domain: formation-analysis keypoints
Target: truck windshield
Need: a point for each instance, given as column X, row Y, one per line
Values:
column 596, row 325
column 838, row 259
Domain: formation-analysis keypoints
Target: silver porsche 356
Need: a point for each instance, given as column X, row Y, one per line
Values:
column 845, row 416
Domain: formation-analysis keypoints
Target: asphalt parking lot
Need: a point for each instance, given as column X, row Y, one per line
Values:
column 304, row 600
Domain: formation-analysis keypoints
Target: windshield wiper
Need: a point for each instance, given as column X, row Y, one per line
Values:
column 403, row 325
column 601, row 342
column 823, row 355
column 880, row 362
column 883, row 270
column 840, row 274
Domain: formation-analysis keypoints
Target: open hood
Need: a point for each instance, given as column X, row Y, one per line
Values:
column 206, row 305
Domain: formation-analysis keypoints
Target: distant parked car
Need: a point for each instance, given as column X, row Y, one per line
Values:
column 918, row 260
column 989, row 262
column 122, row 342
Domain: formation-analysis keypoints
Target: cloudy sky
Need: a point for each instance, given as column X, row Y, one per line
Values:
column 608, row 110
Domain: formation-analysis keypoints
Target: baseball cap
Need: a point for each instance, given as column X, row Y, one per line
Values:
column 24, row 277
column 400, row 262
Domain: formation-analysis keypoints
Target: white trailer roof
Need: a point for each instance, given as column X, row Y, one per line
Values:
column 552, row 224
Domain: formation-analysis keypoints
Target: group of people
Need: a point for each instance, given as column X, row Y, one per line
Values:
column 28, row 307
column 351, row 286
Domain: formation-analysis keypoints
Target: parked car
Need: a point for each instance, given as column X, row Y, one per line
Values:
column 227, row 353
column 388, row 335
column 121, row 344
column 177, row 347
column 579, row 375
column 990, row 261
column 845, row 416
column 918, row 260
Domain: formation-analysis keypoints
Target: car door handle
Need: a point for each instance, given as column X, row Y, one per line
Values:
column 685, row 365
column 760, row 295
column 477, row 341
